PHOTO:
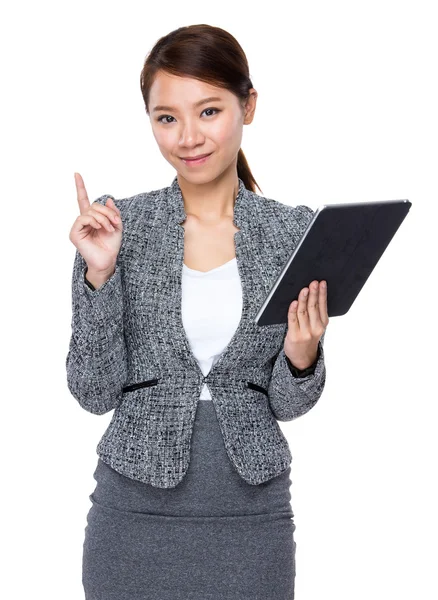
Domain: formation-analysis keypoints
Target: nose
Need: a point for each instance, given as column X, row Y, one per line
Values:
column 191, row 135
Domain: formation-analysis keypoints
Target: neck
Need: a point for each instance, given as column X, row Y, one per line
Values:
column 212, row 200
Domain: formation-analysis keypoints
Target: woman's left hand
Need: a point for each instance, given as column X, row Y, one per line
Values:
column 307, row 321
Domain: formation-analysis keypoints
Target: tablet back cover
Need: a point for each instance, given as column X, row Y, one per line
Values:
column 342, row 245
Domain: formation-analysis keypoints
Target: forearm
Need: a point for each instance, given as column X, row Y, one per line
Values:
column 292, row 394
column 96, row 362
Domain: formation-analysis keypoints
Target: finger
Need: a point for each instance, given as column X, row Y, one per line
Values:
column 82, row 196
column 292, row 317
column 106, row 210
column 302, row 312
column 323, row 311
column 101, row 217
column 83, row 220
column 113, row 205
column 315, row 322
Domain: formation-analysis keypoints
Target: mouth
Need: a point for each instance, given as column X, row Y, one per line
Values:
column 198, row 160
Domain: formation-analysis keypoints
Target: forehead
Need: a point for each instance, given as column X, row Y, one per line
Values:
column 183, row 92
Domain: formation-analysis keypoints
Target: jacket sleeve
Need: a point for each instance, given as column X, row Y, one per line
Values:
column 96, row 361
column 291, row 396
column 292, row 393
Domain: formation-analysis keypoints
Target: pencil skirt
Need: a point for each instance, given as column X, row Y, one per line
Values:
column 212, row 537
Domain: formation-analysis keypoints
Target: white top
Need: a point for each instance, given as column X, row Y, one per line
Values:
column 211, row 312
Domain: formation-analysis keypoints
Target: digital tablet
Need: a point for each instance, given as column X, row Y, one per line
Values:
column 342, row 244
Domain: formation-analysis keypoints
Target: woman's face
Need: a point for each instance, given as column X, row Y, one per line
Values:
column 188, row 128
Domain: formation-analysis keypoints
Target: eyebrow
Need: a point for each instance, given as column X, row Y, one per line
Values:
column 211, row 99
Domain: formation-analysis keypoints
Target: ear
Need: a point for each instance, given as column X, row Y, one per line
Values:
column 250, row 107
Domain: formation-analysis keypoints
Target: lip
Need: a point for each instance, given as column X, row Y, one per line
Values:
column 197, row 161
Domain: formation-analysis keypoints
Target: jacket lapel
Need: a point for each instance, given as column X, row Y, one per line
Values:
column 163, row 292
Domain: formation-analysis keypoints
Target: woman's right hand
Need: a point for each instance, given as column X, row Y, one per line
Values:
column 97, row 231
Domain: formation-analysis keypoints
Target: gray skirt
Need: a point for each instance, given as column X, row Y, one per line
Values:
column 212, row 537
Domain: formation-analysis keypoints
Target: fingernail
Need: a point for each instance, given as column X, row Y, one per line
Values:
column 305, row 292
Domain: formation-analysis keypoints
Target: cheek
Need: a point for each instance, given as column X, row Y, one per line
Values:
column 228, row 132
column 164, row 138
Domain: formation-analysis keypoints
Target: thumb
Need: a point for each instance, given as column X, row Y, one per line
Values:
column 110, row 202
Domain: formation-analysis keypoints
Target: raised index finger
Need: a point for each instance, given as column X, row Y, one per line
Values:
column 83, row 201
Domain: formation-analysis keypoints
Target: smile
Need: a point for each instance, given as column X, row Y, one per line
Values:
column 199, row 161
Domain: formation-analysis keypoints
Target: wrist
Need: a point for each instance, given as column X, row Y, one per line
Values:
column 304, row 372
column 97, row 278
column 301, row 365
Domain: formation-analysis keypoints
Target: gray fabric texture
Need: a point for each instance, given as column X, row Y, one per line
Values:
column 212, row 537
column 129, row 353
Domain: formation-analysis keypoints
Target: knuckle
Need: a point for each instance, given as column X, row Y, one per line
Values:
column 96, row 216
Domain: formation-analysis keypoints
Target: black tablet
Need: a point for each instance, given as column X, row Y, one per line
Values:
column 342, row 244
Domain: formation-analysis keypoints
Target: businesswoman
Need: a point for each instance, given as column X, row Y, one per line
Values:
column 192, row 496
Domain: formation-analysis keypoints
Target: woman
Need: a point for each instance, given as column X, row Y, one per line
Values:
column 192, row 498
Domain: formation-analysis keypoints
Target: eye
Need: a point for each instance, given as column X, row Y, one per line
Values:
column 170, row 116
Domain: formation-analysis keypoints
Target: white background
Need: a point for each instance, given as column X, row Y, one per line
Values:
column 347, row 111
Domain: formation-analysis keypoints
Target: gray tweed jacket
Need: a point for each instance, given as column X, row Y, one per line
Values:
column 129, row 352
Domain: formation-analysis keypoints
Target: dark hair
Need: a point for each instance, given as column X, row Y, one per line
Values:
column 206, row 53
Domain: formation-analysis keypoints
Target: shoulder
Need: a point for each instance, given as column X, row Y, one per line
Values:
column 141, row 201
column 137, row 213
column 138, row 208
column 294, row 219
